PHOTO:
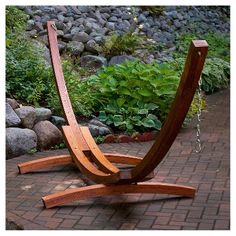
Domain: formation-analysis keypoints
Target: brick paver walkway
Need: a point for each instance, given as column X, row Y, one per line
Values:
column 209, row 172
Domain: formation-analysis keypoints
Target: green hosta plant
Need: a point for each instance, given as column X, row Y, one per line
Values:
column 137, row 96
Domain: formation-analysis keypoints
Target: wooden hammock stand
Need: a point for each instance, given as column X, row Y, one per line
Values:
column 98, row 166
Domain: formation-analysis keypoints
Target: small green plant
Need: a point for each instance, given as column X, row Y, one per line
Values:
column 154, row 10
column 121, row 44
column 215, row 74
column 99, row 139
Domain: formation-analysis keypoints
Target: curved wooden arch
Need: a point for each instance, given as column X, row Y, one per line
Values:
column 84, row 151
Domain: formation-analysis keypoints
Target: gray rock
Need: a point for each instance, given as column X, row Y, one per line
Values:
column 93, row 61
column 42, row 114
column 177, row 24
column 83, row 9
column 27, row 115
column 75, row 47
column 48, row 134
column 88, row 28
column 19, row 141
column 110, row 25
column 58, row 121
column 112, row 19
column 11, row 117
column 30, row 25
column 61, row 18
column 99, row 39
column 13, row 103
column 91, row 46
column 96, row 128
column 142, row 18
column 120, row 59
column 75, row 30
column 179, row 16
column 81, row 37
column 126, row 16
column 60, row 33
column 38, row 26
column 33, row 33
column 67, row 37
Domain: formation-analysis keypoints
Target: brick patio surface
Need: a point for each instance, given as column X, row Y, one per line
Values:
column 208, row 171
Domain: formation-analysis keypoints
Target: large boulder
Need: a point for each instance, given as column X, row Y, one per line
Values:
column 48, row 134
column 93, row 61
column 27, row 115
column 42, row 114
column 19, row 141
column 12, row 118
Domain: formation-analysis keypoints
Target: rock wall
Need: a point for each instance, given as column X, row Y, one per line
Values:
column 82, row 28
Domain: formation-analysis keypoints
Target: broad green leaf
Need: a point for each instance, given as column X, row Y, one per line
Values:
column 143, row 111
column 145, row 92
column 124, row 91
column 102, row 116
column 120, row 101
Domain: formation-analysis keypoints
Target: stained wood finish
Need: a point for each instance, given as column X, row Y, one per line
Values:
column 97, row 156
column 119, row 182
column 184, row 96
column 45, row 162
column 83, row 163
column 123, row 159
column 61, row 86
column 71, row 195
column 52, row 161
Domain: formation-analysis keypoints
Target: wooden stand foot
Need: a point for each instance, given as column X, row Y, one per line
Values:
column 41, row 163
column 97, row 190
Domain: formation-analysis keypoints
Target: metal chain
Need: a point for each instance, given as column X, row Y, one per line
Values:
column 198, row 146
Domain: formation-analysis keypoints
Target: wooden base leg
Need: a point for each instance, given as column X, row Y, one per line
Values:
column 44, row 162
column 97, row 190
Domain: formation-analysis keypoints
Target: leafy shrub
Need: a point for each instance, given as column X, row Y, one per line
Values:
column 215, row 74
column 219, row 45
column 15, row 20
column 82, row 93
column 136, row 96
column 119, row 44
column 26, row 76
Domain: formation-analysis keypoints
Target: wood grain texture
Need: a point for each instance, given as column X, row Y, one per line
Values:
column 123, row 159
column 61, row 86
column 84, row 163
column 97, row 156
column 180, row 106
column 45, row 162
column 70, row 195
